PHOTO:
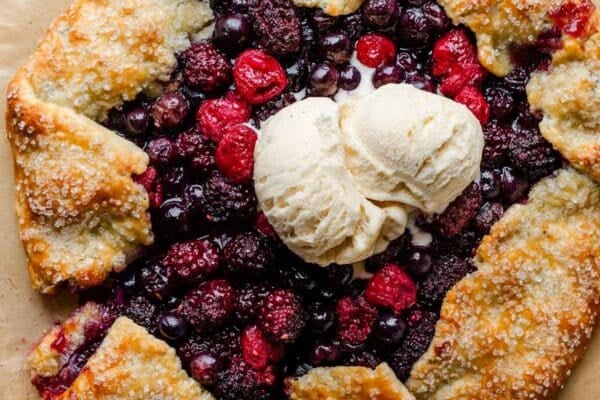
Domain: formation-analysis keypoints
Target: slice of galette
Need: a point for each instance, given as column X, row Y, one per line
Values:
column 270, row 199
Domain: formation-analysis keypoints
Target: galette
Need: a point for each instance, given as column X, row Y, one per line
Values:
column 294, row 199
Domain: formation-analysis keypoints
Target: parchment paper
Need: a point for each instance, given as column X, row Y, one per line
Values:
column 24, row 314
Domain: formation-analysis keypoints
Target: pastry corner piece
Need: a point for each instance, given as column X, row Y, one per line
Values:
column 515, row 328
column 132, row 364
column 81, row 214
column 348, row 383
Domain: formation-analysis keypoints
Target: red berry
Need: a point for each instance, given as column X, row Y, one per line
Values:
column 355, row 319
column 235, row 153
column 474, row 100
column 208, row 306
column 573, row 17
column 258, row 77
column 149, row 180
column 375, row 49
column 452, row 51
column 392, row 288
column 193, row 260
column 215, row 115
column 263, row 225
column 281, row 316
column 455, row 59
column 257, row 351
column 469, row 75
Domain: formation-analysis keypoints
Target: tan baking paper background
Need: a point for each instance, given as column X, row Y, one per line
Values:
column 24, row 314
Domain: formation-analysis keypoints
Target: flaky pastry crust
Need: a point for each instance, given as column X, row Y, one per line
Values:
column 81, row 215
column 348, row 383
column 515, row 328
column 131, row 364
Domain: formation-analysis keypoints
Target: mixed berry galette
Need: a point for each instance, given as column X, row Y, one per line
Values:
column 337, row 199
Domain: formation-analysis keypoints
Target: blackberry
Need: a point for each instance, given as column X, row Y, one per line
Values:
column 142, row 311
column 532, row 156
column 248, row 255
column 281, row 316
column 208, row 306
column 205, row 68
column 446, row 272
column 459, row 213
column 227, row 202
column 264, row 111
column 277, row 27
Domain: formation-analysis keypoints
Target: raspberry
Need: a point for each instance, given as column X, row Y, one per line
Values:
column 281, row 317
column 573, row 17
column 241, row 381
column 193, row 261
column 205, row 68
column 460, row 212
column 374, row 49
column 451, row 52
column 392, row 288
column 247, row 255
column 446, row 272
column 149, row 181
column 355, row 319
column 215, row 115
column 224, row 201
column 474, row 100
column 277, row 27
column 455, row 60
column 258, row 77
column 235, row 153
column 208, row 306
column 257, row 351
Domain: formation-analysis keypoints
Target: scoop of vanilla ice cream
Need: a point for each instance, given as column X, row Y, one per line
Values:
column 404, row 145
column 307, row 193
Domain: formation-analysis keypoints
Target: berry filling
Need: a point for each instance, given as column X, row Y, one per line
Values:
column 242, row 311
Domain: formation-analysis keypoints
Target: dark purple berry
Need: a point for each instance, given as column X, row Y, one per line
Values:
column 227, row 202
column 172, row 326
column 353, row 25
column 248, row 255
column 320, row 318
column 501, row 102
column 141, row 311
column 172, row 218
column 385, row 74
column 233, row 32
column 208, row 306
column 437, row 16
column 324, row 353
column 324, row 80
column 249, row 302
column 349, row 77
column 169, row 110
column 173, row 180
column 263, row 112
column 407, row 61
column 517, row 79
column 161, row 151
column 531, row 155
column 389, row 328
column 487, row 216
column 155, row 280
column 380, row 13
column 205, row 68
column 419, row 263
column 192, row 261
column 205, row 367
column 335, row 47
column 421, row 81
column 459, row 213
column 277, row 27
column 446, row 272
column 322, row 21
column 137, row 120
column 414, row 28
column 490, row 184
column 240, row 381
column 338, row 276
column 513, row 187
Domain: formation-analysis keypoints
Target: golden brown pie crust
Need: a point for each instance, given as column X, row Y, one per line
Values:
column 81, row 215
column 514, row 329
